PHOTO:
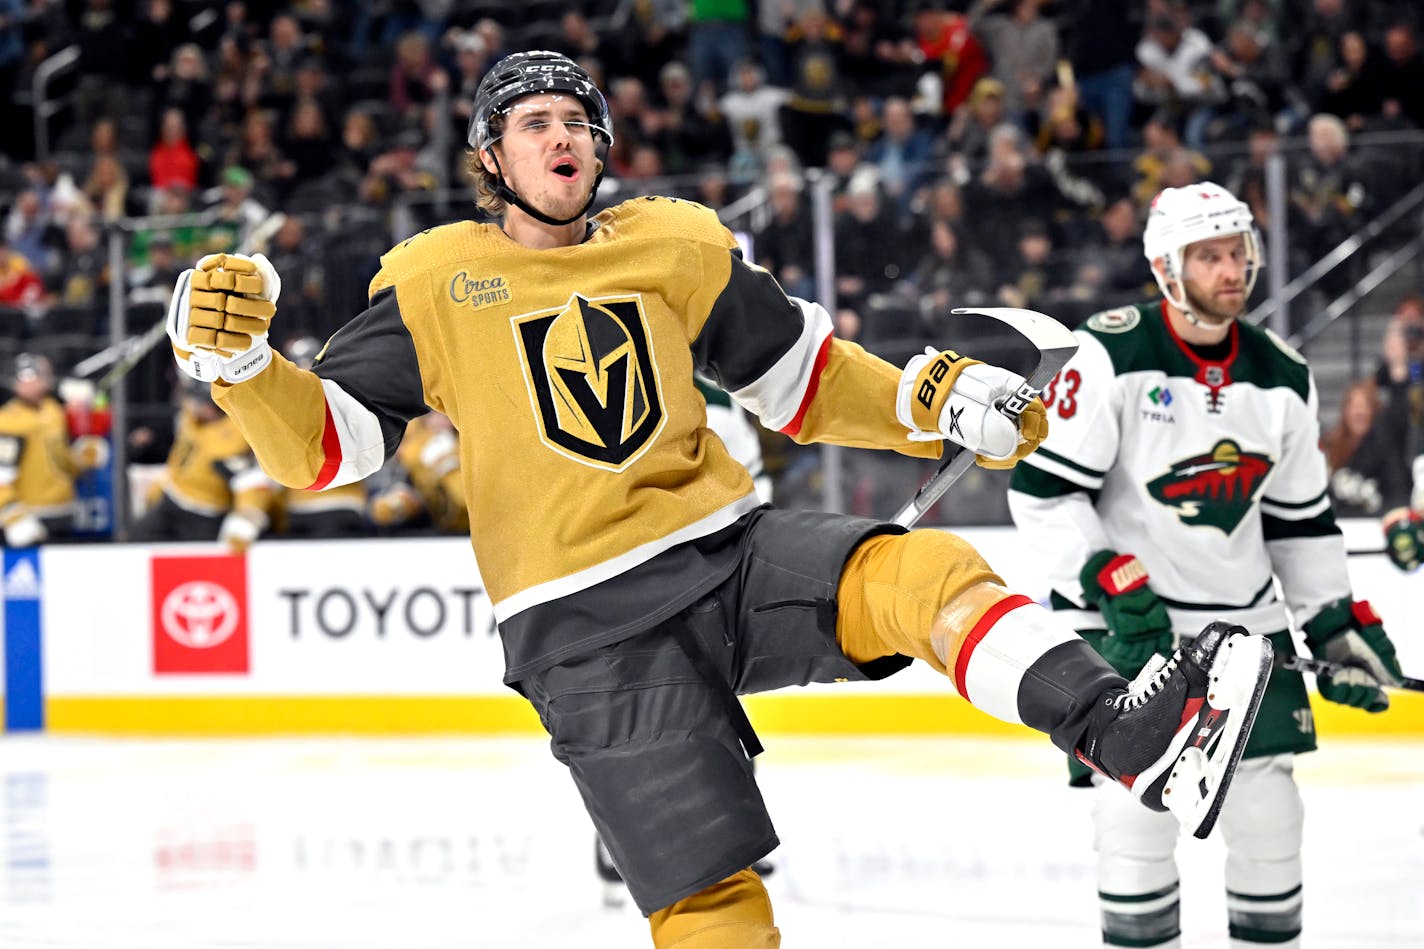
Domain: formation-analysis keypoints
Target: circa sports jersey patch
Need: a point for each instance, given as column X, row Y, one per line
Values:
column 1215, row 489
column 1119, row 320
column 590, row 372
column 475, row 291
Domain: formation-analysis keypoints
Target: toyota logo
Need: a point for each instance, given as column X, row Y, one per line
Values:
column 199, row 614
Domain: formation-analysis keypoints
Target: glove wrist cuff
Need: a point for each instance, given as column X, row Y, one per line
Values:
column 1109, row 573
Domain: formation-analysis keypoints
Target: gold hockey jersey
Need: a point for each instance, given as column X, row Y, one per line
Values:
column 211, row 470
column 36, row 469
column 595, row 490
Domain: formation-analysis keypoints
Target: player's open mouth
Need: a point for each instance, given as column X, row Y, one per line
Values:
column 566, row 168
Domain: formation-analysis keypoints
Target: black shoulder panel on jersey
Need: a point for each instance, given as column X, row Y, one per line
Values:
column 1278, row 528
column 751, row 326
column 373, row 359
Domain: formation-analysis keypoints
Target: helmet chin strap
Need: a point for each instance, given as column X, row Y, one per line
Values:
column 502, row 189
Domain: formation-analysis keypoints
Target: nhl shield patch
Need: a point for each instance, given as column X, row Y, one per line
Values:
column 1214, row 489
column 590, row 372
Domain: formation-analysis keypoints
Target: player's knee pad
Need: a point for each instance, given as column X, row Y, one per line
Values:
column 1138, row 890
column 734, row 913
column 1262, row 825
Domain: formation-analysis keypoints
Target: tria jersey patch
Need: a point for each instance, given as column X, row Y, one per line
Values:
column 590, row 371
column 1213, row 489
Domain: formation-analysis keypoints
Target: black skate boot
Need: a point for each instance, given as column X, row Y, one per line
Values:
column 1174, row 735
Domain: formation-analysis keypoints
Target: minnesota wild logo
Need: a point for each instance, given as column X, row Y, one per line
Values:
column 1215, row 489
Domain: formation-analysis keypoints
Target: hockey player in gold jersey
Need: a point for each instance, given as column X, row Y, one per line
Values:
column 212, row 487
column 38, row 462
column 638, row 582
column 428, row 490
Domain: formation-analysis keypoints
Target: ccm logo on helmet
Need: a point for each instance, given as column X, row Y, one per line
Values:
column 930, row 385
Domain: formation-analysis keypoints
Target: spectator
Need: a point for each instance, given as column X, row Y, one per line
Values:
column 232, row 203
column 257, row 151
column 717, row 39
column 1403, row 74
column 785, row 244
column 901, row 154
column 1328, row 193
column 1161, row 146
column 30, row 229
column 1400, row 380
column 968, row 134
column 20, row 285
column 1118, row 247
column 1176, row 71
column 308, row 141
column 1022, row 45
column 871, row 249
column 1031, row 277
column 416, row 79
column 471, row 61
column 752, row 111
column 82, row 278
column 1253, row 73
column 172, row 160
column 155, row 279
column 1104, row 55
column 1365, row 462
column 157, row 32
column 1008, row 191
column 945, row 40
column 688, row 136
column 278, row 60
column 1354, row 89
column 877, row 57
column 949, row 274
column 818, row 95
column 107, row 188
column 185, row 86
column 1064, row 125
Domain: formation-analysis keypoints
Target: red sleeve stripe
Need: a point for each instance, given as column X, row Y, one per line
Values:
column 794, row 426
column 980, row 630
column 331, row 449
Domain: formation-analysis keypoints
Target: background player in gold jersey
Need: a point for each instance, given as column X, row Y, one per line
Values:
column 212, row 487
column 38, row 461
column 638, row 582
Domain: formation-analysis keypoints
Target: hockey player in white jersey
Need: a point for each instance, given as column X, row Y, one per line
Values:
column 1181, row 481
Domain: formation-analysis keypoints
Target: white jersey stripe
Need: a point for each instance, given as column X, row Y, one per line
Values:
column 777, row 395
column 363, row 448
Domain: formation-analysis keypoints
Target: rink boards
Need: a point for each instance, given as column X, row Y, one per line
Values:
column 398, row 637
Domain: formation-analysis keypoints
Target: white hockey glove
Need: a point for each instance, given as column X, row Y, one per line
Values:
column 25, row 530
column 219, row 316
column 240, row 528
column 946, row 395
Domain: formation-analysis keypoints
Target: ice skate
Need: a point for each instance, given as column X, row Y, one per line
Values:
column 1174, row 736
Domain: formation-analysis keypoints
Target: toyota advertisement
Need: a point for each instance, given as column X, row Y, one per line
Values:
column 391, row 637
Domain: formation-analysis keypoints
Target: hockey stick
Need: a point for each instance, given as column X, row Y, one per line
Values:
column 1056, row 344
column 1325, row 667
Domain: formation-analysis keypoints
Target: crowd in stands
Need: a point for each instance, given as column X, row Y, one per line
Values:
column 979, row 152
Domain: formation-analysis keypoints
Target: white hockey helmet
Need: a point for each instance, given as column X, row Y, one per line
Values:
column 1179, row 217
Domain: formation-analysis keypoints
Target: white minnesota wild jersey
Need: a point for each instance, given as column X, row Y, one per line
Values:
column 1205, row 464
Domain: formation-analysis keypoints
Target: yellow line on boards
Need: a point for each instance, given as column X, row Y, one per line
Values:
column 786, row 714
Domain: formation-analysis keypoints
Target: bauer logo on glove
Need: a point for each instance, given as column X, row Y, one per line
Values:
column 946, row 395
column 219, row 317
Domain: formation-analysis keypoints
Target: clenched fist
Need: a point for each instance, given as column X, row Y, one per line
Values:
column 219, row 317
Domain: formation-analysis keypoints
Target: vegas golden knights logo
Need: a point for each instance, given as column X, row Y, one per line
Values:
column 590, row 371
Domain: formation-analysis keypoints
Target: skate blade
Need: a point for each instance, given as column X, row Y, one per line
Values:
column 1200, row 777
